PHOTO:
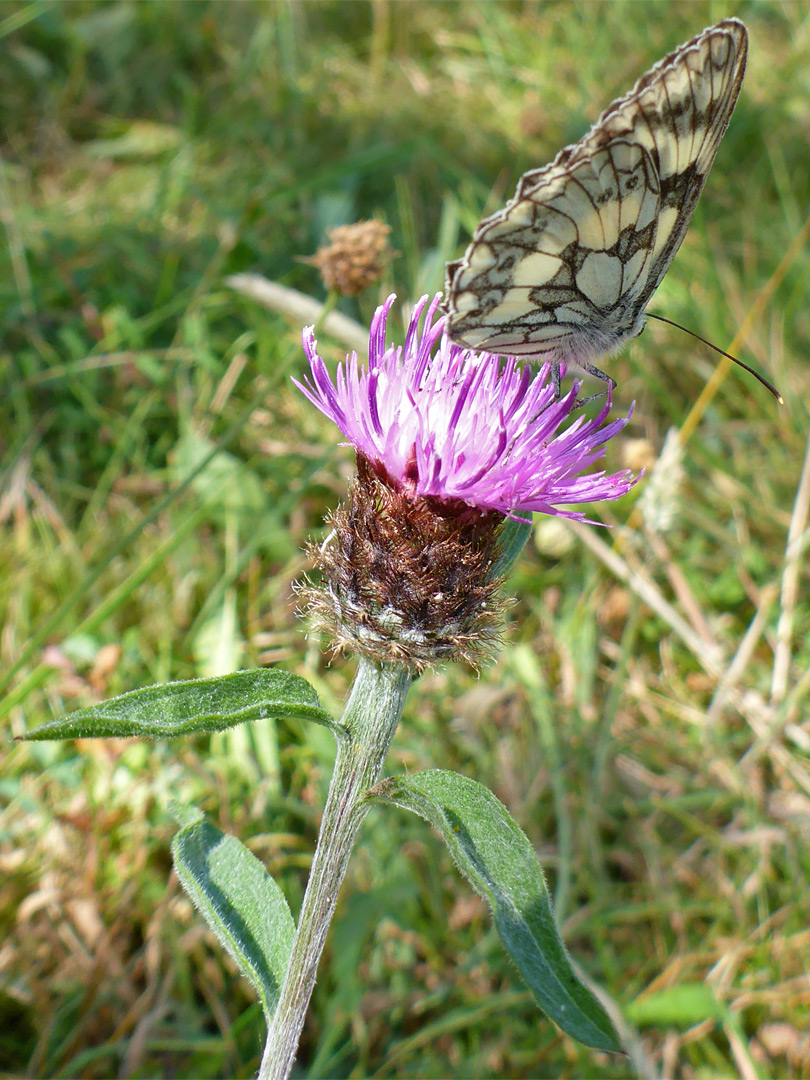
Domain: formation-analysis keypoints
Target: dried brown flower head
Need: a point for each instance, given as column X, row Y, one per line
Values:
column 355, row 256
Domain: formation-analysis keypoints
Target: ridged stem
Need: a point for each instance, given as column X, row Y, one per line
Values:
column 370, row 719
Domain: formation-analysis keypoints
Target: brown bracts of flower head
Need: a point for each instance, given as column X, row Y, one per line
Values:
column 406, row 579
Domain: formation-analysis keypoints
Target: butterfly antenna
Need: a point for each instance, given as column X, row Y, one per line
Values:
column 739, row 363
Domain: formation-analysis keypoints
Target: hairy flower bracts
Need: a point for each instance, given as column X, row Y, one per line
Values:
column 408, row 580
column 448, row 441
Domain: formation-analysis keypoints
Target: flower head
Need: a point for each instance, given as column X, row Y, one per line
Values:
column 448, row 440
column 462, row 426
column 355, row 256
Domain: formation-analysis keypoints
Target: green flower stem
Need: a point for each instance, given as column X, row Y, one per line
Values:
column 370, row 719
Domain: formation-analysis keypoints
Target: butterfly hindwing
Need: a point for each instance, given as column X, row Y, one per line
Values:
column 565, row 270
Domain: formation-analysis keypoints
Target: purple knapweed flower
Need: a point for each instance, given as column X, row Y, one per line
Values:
column 459, row 425
column 448, row 441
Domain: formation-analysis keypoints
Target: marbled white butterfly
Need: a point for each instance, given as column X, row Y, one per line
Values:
column 564, row 272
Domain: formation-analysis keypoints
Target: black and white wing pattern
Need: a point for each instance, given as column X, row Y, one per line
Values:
column 564, row 272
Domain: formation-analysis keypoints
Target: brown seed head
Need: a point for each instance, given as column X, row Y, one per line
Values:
column 355, row 257
column 407, row 580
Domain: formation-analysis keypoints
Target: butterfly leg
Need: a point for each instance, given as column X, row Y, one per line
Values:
column 612, row 384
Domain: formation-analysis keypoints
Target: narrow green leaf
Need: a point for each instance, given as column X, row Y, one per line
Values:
column 682, row 1006
column 500, row 863
column 196, row 705
column 240, row 902
column 514, row 535
column 185, row 815
column 218, row 644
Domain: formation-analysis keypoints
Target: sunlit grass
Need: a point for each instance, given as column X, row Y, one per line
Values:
column 646, row 720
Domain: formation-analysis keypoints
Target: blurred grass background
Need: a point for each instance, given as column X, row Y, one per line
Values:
column 647, row 719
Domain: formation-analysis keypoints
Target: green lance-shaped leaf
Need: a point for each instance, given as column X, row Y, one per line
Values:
column 679, row 1006
column 238, row 899
column 512, row 540
column 196, row 705
column 500, row 863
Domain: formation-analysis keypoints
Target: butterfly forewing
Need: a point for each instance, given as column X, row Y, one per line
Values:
column 565, row 270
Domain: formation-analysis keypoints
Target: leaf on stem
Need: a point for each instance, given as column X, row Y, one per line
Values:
column 499, row 862
column 513, row 537
column 238, row 899
column 196, row 705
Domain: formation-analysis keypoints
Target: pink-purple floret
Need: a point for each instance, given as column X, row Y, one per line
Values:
column 465, row 425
